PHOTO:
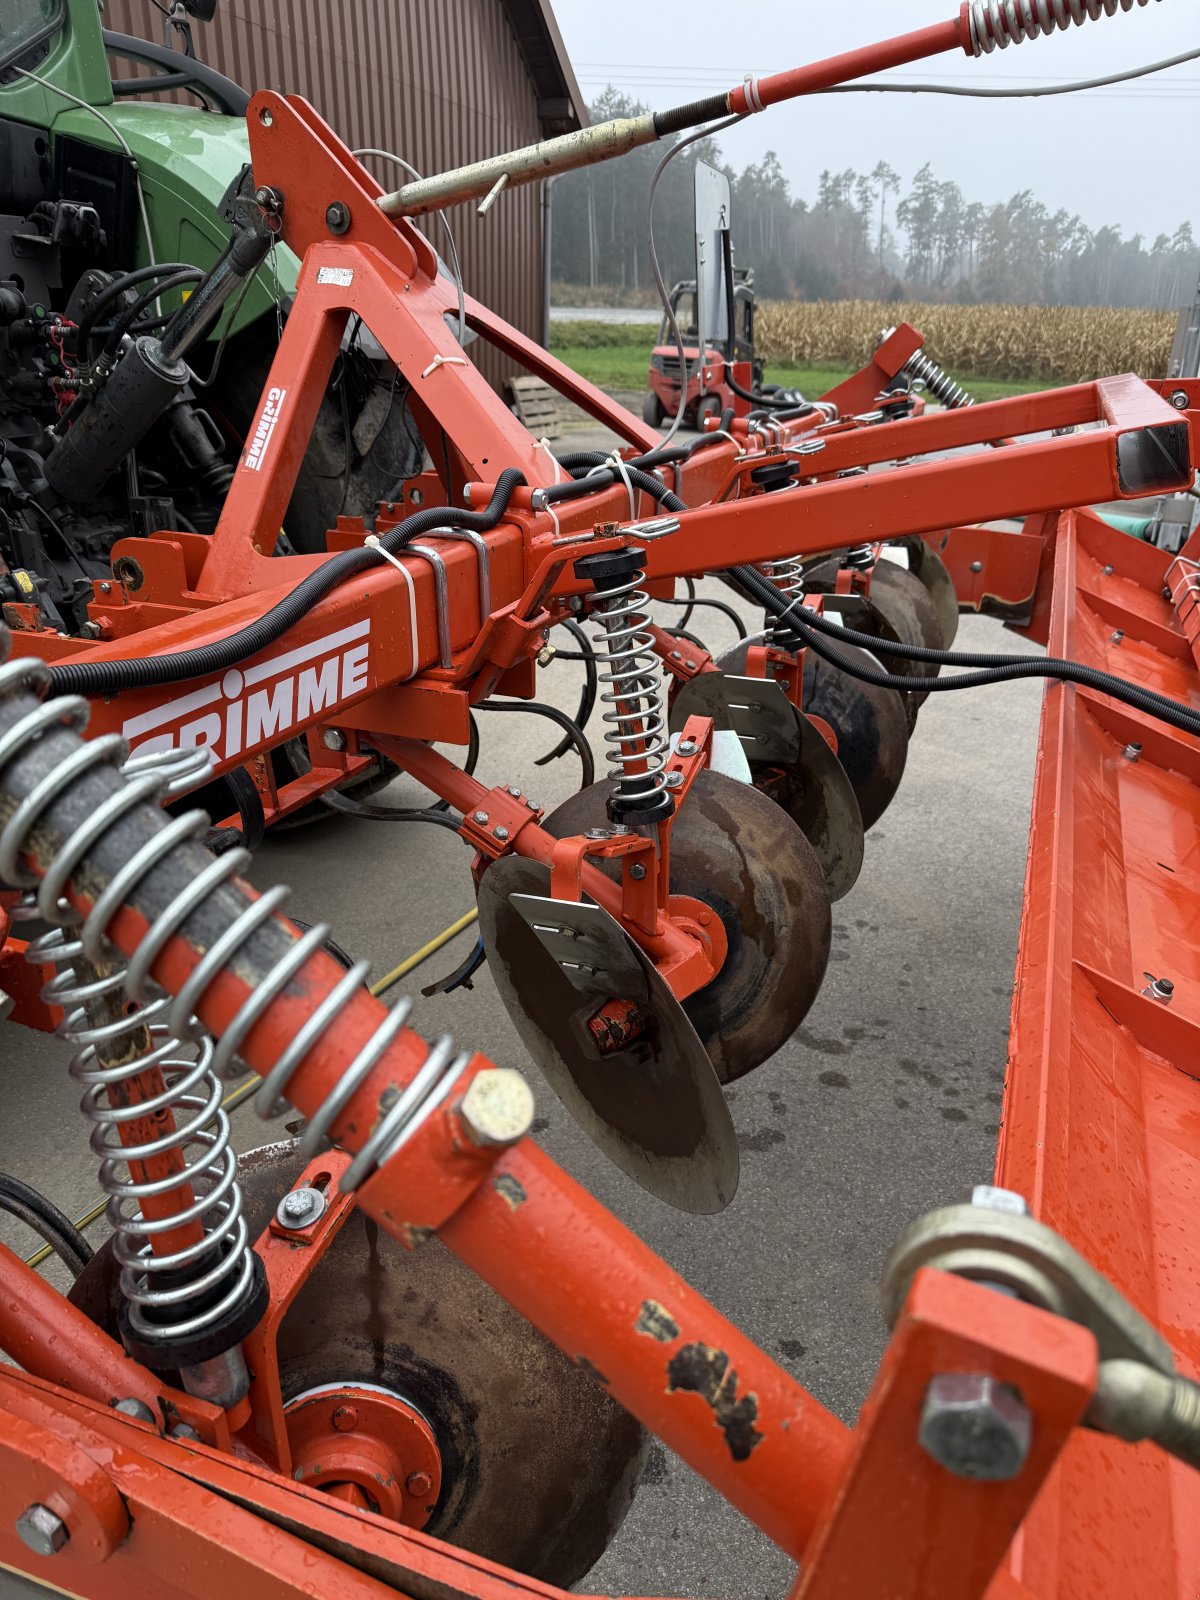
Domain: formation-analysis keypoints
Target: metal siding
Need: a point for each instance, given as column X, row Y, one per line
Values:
column 440, row 82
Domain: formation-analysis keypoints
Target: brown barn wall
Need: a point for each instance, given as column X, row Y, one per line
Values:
column 439, row 82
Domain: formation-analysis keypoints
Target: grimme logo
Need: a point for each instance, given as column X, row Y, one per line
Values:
column 269, row 416
column 237, row 714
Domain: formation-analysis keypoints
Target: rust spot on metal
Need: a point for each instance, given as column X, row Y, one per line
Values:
column 509, row 1190
column 699, row 1369
column 594, row 1373
column 656, row 1322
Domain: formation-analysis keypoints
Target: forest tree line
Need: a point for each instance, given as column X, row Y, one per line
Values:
column 868, row 235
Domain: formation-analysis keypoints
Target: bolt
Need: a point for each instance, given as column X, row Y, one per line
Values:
column 1161, row 989
column 676, row 655
column 300, row 1208
column 501, row 833
column 686, row 747
column 344, row 1418
column 690, row 665
column 41, row 1531
column 337, row 217
column 333, row 739
column 497, row 1109
column 638, row 871
column 1107, row 571
column 596, row 833
column 134, row 1408
column 418, row 1484
column 1179, row 399
column 1131, row 752
column 480, row 817
column 975, row 1426
column 184, row 1430
column 977, row 566
column 516, row 793
column 673, row 780
column 993, row 1199
column 106, row 588
column 1117, row 637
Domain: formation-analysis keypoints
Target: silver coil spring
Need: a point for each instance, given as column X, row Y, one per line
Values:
column 995, row 24
column 194, row 1083
column 787, row 574
column 939, row 383
column 636, row 735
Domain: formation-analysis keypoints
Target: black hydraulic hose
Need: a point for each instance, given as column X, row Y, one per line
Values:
column 116, row 289
column 54, row 1228
column 587, row 697
column 599, row 479
column 110, row 677
column 574, row 734
column 995, row 668
column 125, row 321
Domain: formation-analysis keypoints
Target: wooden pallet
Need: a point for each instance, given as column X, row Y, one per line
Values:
column 542, row 409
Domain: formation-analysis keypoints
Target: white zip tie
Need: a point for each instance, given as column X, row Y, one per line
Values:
column 618, row 463
column 560, row 474
column 445, row 361
column 372, row 542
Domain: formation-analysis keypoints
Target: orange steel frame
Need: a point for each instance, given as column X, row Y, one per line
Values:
column 1102, row 1118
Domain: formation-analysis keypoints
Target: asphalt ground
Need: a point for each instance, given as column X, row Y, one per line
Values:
column 885, row 1103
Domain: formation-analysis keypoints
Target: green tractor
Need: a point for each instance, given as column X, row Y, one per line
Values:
column 112, row 212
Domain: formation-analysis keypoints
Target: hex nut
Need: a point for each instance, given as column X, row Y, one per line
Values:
column 300, row 1208
column 138, row 1409
column 42, row 1531
column 497, row 1109
column 975, row 1426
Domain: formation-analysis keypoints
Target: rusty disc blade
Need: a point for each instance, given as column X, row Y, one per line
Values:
column 516, row 1422
column 653, row 1104
column 925, row 563
column 871, row 727
column 741, row 854
column 812, row 788
column 900, row 609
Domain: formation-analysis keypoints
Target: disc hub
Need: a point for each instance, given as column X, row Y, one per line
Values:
column 366, row 1445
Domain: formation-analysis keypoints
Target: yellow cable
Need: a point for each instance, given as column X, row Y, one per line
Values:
column 424, row 953
column 232, row 1101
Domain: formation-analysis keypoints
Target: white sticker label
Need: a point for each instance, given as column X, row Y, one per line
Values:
column 264, row 428
column 262, row 703
column 342, row 276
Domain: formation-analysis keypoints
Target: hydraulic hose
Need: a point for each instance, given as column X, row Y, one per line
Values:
column 815, row 630
column 110, row 677
column 114, row 290
column 125, row 321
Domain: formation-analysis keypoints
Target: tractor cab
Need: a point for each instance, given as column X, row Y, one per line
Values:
column 709, row 392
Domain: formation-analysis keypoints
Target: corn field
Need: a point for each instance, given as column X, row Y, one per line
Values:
column 1047, row 344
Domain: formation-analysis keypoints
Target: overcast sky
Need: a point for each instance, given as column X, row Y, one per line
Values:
column 1123, row 155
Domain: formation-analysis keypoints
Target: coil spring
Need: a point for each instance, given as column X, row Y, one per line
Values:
column 995, row 24
column 939, row 383
column 175, row 1018
column 636, row 736
column 787, row 575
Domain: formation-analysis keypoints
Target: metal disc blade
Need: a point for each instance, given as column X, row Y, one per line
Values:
column 741, row 854
column 516, row 1421
column 899, row 608
column 871, row 727
column 798, row 771
column 655, row 1106
column 928, row 566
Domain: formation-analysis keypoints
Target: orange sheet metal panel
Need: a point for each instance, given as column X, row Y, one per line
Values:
column 439, row 82
column 1102, row 1106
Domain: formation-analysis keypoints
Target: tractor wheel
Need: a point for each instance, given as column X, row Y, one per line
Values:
column 652, row 410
